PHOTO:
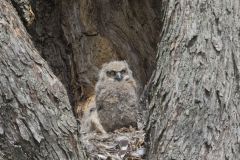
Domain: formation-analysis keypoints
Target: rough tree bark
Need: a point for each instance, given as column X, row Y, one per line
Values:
column 194, row 95
column 194, row 92
column 36, row 119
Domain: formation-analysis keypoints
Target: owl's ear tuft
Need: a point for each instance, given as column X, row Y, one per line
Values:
column 124, row 61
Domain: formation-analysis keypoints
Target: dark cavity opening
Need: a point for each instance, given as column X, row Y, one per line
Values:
column 77, row 37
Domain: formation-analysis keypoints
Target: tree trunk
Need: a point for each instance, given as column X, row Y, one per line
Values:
column 36, row 119
column 194, row 93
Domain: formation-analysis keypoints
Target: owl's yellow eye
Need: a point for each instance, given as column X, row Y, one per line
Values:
column 123, row 71
column 111, row 73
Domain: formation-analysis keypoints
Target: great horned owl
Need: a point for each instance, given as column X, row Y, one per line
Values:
column 116, row 97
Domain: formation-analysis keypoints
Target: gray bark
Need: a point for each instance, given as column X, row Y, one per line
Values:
column 194, row 93
column 36, row 119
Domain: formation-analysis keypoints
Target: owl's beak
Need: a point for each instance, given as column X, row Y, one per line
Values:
column 118, row 76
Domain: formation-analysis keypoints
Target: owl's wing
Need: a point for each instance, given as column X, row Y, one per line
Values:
column 98, row 88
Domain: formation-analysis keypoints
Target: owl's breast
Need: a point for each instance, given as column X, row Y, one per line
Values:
column 118, row 91
column 117, row 103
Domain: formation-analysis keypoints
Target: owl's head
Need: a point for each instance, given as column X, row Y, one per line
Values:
column 116, row 71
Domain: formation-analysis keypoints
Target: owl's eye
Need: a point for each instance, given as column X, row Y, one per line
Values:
column 123, row 71
column 111, row 73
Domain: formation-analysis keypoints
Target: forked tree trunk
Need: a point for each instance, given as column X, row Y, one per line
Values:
column 194, row 92
column 36, row 119
column 194, row 95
